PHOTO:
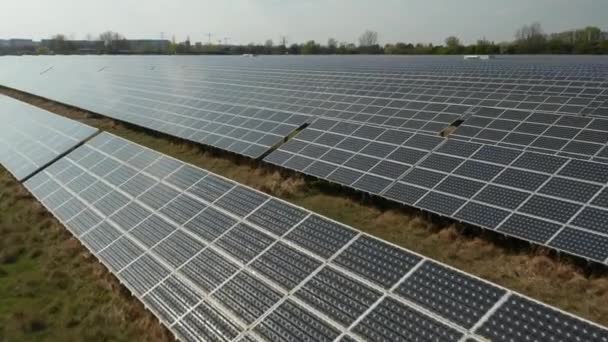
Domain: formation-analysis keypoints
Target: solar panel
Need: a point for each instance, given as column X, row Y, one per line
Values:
column 573, row 136
column 524, row 194
column 244, row 266
column 372, row 124
column 248, row 107
column 366, row 161
column 31, row 138
column 473, row 182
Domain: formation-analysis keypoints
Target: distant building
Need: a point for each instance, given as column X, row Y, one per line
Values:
column 17, row 43
column 148, row 45
column 77, row 46
column 17, row 46
column 121, row 46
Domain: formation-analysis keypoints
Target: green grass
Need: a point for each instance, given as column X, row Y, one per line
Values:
column 560, row 281
column 51, row 289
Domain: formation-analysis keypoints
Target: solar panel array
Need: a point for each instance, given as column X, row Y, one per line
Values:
column 410, row 93
column 215, row 260
column 364, row 157
column 31, row 138
column 374, row 124
column 574, row 136
column 241, row 128
column 552, row 200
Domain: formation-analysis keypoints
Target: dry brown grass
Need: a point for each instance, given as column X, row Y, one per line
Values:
column 561, row 281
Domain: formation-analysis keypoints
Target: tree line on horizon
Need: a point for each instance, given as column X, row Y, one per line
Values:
column 529, row 39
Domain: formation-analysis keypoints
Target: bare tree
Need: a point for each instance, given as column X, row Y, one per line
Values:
column 113, row 41
column 530, row 38
column 283, row 41
column 452, row 42
column 368, row 38
column 60, row 44
column 109, row 37
column 59, row 37
column 529, row 32
column 332, row 43
column 269, row 43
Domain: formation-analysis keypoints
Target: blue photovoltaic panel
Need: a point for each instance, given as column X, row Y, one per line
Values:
column 243, row 266
column 30, row 137
column 486, row 185
column 374, row 124
column 248, row 106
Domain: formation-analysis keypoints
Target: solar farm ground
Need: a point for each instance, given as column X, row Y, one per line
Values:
column 47, row 278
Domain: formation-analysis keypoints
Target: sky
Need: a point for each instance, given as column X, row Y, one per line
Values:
column 246, row 21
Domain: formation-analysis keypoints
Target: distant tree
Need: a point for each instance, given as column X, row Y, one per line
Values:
column 268, row 46
column 311, row 48
column 530, row 39
column 603, row 47
column 184, row 47
column 283, row 41
column 43, row 50
column 453, row 44
column 368, row 43
column 172, row 49
column 59, row 44
column 109, row 37
column 281, row 48
column 347, row 48
column 399, row 48
column 294, row 49
column 187, row 44
column 368, row 38
column 589, row 34
column 484, row 46
column 332, row 45
column 113, row 41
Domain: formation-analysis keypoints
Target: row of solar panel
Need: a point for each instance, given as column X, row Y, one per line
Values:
column 593, row 77
column 537, row 84
column 215, row 260
column 556, row 201
column 430, row 117
column 568, row 103
column 571, row 136
column 30, row 138
column 425, row 116
column 527, row 68
column 552, row 106
column 350, row 155
column 532, row 93
column 374, row 82
column 249, row 131
column 357, row 160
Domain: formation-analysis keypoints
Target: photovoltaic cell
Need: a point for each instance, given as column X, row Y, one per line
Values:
column 31, row 138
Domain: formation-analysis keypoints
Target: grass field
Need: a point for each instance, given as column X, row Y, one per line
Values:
column 51, row 289
column 561, row 281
